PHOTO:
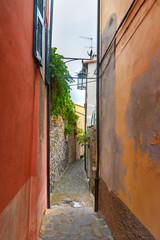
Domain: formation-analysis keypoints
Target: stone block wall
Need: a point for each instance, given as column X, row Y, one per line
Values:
column 70, row 146
column 62, row 150
column 79, row 150
column 58, row 160
column 91, row 157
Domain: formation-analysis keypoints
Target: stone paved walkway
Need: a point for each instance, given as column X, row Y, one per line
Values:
column 74, row 180
column 71, row 215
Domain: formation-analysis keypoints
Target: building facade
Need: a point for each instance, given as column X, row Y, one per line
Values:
column 91, row 89
column 130, row 118
column 80, row 111
column 23, row 108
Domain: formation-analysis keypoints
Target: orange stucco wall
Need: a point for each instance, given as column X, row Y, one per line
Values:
column 80, row 111
column 23, row 121
column 132, row 170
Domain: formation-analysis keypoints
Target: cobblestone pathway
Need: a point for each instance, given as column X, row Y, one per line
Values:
column 71, row 215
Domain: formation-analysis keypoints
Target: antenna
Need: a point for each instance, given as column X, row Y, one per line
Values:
column 91, row 47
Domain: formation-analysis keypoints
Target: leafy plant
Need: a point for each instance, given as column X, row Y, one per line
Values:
column 79, row 131
column 68, row 129
column 83, row 139
column 61, row 103
column 82, row 156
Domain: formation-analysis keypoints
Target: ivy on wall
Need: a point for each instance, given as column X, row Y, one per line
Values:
column 61, row 103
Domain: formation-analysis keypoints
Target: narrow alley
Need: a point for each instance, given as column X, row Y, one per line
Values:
column 80, row 80
column 72, row 213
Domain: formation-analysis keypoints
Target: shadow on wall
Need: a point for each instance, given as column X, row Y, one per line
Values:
column 112, row 170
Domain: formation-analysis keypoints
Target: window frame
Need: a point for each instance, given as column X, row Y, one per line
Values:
column 38, row 56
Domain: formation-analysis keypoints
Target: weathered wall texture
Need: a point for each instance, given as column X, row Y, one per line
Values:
column 79, row 150
column 58, row 160
column 23, row 150
column 91, row 89
column 62, row 149
column 130, row 119
column 71, row 145
column 91, row 157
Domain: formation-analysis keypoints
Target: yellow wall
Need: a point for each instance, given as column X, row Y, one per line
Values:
column 80, row 111
column 130, row 109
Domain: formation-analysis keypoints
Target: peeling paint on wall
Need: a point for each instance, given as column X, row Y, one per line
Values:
column 130, row 112
column 112, row 171
column 142, row 115
column 122, row 222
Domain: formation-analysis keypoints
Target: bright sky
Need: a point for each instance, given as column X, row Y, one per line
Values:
column 72, row 19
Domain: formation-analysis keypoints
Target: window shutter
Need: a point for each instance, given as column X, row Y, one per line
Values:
column 47, row 79
column 38, row 31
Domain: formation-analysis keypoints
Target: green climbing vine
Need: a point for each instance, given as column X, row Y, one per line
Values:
column 61, row 103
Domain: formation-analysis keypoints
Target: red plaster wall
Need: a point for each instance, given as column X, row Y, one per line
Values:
column 22, row 137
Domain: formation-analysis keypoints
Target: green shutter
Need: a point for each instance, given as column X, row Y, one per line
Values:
column 38, row 31
column 47, row 57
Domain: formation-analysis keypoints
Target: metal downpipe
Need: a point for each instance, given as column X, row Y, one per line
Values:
column 97, row 112
column 48, row 113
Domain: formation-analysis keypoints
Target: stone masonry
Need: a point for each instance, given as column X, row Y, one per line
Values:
column 58, row 161
column 62, row 150
column 91, row 157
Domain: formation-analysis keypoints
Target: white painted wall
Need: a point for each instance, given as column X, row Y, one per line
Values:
column 91, row 91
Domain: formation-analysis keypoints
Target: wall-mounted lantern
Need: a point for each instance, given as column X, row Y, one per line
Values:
column 82, row 80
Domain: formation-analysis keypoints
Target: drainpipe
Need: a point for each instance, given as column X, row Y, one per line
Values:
column 97, row 112
column 48, row 112
column 85, row 149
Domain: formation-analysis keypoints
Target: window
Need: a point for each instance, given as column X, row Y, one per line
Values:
column 38, row 31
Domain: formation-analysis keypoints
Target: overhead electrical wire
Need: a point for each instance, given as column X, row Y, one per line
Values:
column 75, row 77
column 77, row 83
